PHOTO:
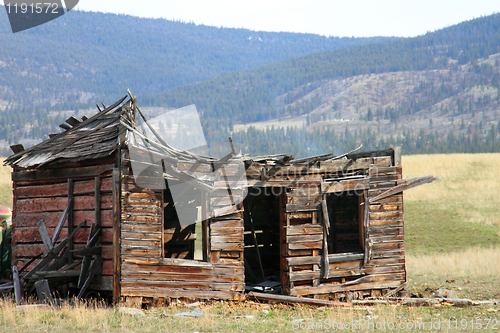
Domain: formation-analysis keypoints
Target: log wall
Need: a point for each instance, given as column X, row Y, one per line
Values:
column 380, row 265
column 43, row 194
column 156, row 254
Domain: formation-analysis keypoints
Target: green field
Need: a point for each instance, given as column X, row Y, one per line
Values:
column 452, row 232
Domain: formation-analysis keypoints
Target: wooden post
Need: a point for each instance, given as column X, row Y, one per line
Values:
column 116, row 235
column 71, row 186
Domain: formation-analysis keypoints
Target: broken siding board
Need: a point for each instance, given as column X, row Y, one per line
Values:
column 61, row 189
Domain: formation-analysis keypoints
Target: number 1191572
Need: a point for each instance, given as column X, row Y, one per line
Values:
column 33, row 8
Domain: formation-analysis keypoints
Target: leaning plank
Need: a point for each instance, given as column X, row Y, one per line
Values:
column 43, row 292
column 292, row 299
column 17, row 285
column 94, row 268
column 404, row 185
column 63, row 218
column 51, row 255
column 92, row 239
column 44, row 233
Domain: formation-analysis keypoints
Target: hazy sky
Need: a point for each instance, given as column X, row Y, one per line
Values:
column 357, row 18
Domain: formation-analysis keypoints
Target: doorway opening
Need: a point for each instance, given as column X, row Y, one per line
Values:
column 263, row 221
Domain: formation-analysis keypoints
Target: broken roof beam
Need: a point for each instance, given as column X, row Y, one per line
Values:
column 65, row 126
column 17, row 148
column 73, row 121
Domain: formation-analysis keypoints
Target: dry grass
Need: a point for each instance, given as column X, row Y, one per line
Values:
column 475, row 262
column 222, row 317
column 471, row 180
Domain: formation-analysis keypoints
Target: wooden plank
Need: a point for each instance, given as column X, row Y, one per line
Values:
column 17, row 148
column 57, row 230
column 353, row 270
column 304, row 238
column 130, row 283
column 61, row 189
column 176, row 293
column 335, row 288
column 305, row 246
column 226, row 246
column 17, row 285
column 220, row 231
column 182, row 277
column 304, row 229
column 295, row 300
column 227, row 239
column 31, row 235
column 332, row 258
column 87, row 258
column 306, row 207
column 44, row 234
column 61, row 173
column 23, row 220
column 43, row 292
column 60, row 203
column 94, row 268
column 384, row 171
column 51, row 255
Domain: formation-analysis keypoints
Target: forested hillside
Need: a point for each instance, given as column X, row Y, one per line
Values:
column 86, row 56
column 83, row 58
column 434, row 93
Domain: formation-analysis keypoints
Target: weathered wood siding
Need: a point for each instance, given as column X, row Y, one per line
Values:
column 149, row 270
column 43, row 194
column 381, row 266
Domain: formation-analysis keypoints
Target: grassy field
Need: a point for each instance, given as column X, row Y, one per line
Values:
column 452, row 234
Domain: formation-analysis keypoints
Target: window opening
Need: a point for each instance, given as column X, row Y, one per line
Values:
column 346, row 213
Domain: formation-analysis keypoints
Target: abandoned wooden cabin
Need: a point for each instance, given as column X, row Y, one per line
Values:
column 324, row 227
